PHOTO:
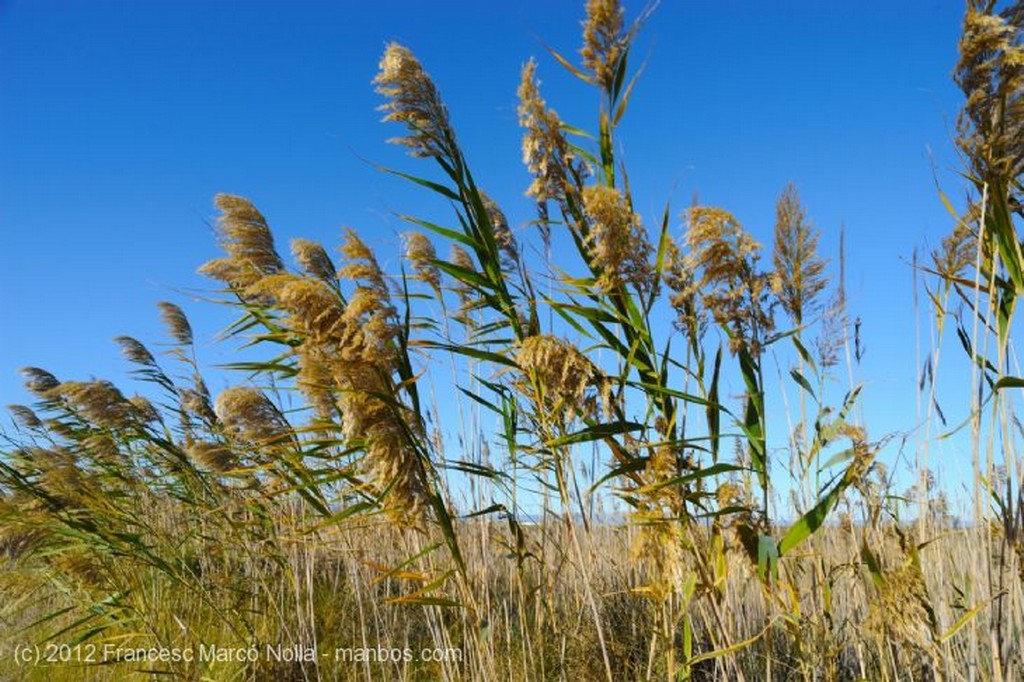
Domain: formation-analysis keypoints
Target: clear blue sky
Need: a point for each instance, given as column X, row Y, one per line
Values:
column 119, row 121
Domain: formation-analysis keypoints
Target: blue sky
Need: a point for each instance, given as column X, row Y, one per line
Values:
column 119, row 121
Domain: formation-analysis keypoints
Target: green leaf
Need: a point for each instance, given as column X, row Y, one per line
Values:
column 800, row 379
column 595, row 432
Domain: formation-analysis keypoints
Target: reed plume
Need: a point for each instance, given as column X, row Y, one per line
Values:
column 565, row 377
column 546, row 152
column 249, row 243
column 729, row 284
column 413, row 99
column 799, row 276
column 313, row 259
column 604, row 41
column 617, row 241
column 990, row 72
column 420, row 253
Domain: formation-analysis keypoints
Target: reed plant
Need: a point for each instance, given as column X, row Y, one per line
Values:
column 593, row 503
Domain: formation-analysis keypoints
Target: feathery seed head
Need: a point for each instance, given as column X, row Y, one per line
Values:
column 799, row 275
column 144, row 410
column 248, row 242
column 216, row 457
column 313, row 259
column 135, row 351
column 603, row 40
column 991, row 74
column 546, row 152
column 25, row 416
column 680, row 278
column 176, row 322
column 313, row 308
column 248, row 415
column 729, row 284
column 419, row 251
column 98, row 401
column 414, row 100
column 617, row 240
column 39, row 382
column 564, row 375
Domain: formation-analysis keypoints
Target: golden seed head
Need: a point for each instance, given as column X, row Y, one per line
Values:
column 313, row 259
column 546, row 152
column 729, row 285
column 799, row 276
column 414, row 100
column 144, row 410
column 135, row 351
column 25, row 416
column 248, row 242
column 196, row 403
column 503, row 236
column 898, row 607
column 216, row 457
column 248, row 415
column 39, row 382
column 991, row 74
column 419, row 251
column 680, row 278
column 564, row 375
column 617, row 241
column 603, row 40
column 313, row 307
column 99, row 402
column 177, row 324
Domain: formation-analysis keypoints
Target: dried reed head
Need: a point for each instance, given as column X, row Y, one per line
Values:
column 569, row 382
column 370, row 316
column 680, row 278
column 177, row 324
column 413, row 99
column 248, row 242
column 216, row 457
column 729, row 284
column 99, row 402
column 25, row 416
column 39, row 382
column 502, row 233
column 991, row 74
column 135, row 351
column 898, row 609
column 313, row 307
column 145, row 412
column 249, row 416
column 197, row 403
column 659, row 546
column 604, row 40
column 799, row 276
column 420, row 253
column 617, row 241
column 546, row 152
column 313, row 259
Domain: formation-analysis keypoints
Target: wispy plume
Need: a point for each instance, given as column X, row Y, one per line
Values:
column 617, row 241
column 420, row 253
column 604, row 40
column 177, row 324
column 799, row 276
column 546, row 152
column 313, row 259
column 729, row 284
column 248, row 242
column 413, row 99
